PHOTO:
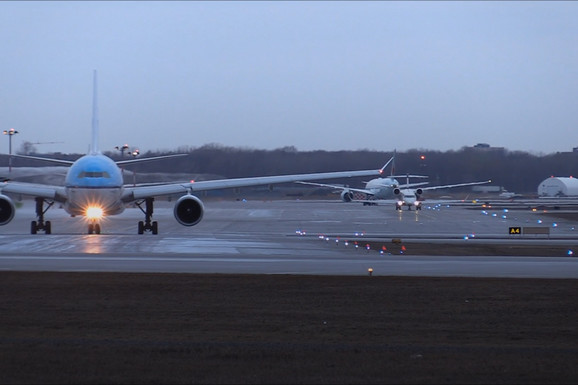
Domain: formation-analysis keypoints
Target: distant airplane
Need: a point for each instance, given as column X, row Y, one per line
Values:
column 509, row 195
column 94, row 188
column 410, row 197
column 378, row 188
column 387, row 190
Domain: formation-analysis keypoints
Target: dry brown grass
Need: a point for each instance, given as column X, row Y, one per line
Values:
column 186, row 328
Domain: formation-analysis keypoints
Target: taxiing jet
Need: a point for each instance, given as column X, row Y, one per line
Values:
column 411, row 197
column 94, row 188
column 375, row 189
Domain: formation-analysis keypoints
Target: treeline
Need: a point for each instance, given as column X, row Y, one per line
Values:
column 519, row 172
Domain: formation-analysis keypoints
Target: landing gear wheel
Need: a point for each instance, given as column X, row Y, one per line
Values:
column 140, row 227
column 155, row 228
column 94, row 228
column 33, row 227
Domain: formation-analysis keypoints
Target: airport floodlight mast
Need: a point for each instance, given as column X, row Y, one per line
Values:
column 125, row 147
column 11, row 132
column 134, row 154
column 122, row 149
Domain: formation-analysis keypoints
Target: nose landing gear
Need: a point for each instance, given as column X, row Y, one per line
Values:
column 94, row 227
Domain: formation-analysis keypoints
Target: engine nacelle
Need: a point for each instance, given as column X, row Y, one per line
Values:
column 346, row 196
column 418, row 191
column 396, row 191
column 189, row 210
column 7, row 210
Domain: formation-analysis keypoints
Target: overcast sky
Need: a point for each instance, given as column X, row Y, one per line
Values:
column 325, row 75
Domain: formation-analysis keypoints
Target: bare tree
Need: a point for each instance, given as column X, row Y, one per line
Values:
column 27, row 148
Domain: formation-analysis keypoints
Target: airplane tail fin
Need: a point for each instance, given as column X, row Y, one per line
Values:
column 94, row 144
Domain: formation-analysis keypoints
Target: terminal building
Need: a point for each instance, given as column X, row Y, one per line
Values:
column 558, row 187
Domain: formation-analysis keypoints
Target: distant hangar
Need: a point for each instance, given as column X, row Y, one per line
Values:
column 558, row 187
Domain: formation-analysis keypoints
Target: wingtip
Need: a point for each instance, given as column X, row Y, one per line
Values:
column 381, row 170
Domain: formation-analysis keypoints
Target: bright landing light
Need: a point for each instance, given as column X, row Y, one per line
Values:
column 94, row 213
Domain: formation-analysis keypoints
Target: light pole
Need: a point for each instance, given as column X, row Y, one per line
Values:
column 11, row 132
column 134, row 154
column 121, row 149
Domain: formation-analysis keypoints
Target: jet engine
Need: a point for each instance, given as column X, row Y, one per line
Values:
column 189, row 210
column 6, row 210
column 346, row 196
column 396, row 191
column 418, row 191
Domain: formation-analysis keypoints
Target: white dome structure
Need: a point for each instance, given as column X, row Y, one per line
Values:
column 558, row 187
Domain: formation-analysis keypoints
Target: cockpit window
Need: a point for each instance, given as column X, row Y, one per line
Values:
column 94, row 174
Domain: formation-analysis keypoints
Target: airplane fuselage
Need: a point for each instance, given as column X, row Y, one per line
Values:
column 382, row 188
column 408, row 196
column 94, row 181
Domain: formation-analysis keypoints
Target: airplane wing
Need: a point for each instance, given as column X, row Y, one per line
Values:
column 120, row 162
column 408, row 185
column 56, row 193
column 140, row 160
column 455, row 185
column 140, row 192
column 381, row 170
column 59, row 161
column 359, row 190
column 408, row 176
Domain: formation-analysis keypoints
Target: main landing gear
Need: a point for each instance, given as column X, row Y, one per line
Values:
column 40, row 224
column 147, row 225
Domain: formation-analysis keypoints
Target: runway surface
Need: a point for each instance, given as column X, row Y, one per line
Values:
column 287, row 237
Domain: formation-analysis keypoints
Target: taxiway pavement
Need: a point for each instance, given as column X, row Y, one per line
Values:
column 286, row 237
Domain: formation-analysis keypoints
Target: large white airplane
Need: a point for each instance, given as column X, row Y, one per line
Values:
column 94, row 188
column 375, row 189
